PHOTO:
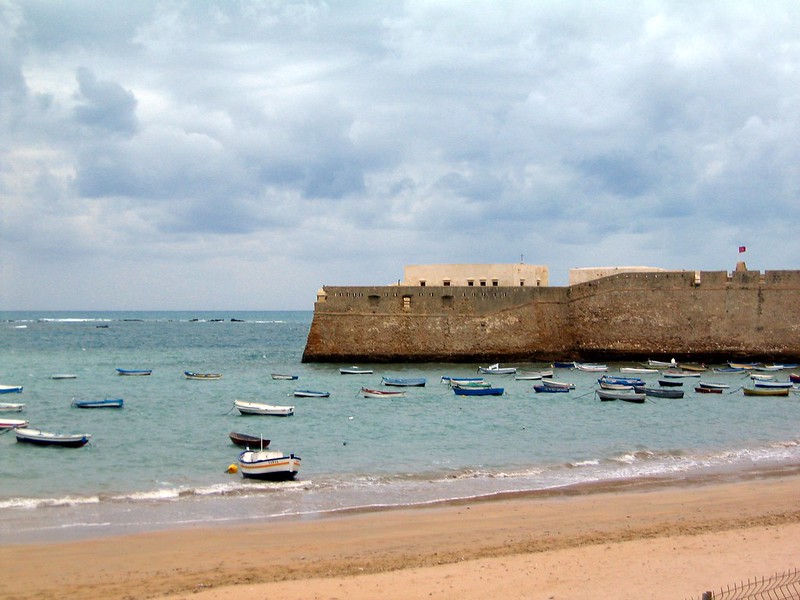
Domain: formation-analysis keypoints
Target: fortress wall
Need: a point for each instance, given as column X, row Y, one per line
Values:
column 711, row 316
column 437, row 323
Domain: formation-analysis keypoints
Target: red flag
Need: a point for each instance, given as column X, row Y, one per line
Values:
column 742, row 249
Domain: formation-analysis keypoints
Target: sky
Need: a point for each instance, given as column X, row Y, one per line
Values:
column 208, row 155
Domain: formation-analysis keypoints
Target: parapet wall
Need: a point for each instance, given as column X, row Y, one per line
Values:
column 712, row 316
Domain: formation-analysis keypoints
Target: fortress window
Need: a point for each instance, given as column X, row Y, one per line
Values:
column 422, row 283
column 406, row 303
column 494, row 282
column 470, row 282
column 521, row 283
column 446, row 283
column 483, row 283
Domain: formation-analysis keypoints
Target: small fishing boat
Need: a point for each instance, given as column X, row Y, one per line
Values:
column 354, row 371
column 559, row 384
column 134, row 372
column 258, row 408
column 104, row 403
column 677, row 374
column 310, row 394
column 536, row 376
column 284, row 377
column 247, row 440
column 623, row 381
column 794, row 377
column 661, row 364
column 404, row 381
column 773, row 384
column 743, row 366
column 11, row 407
column 708, row 390
column 591, row 367
column 729, row 369
column 63, row 376
column 370, row 393
column 761, row 377
column 548, row 389
column 637, row 370
column 608, row 385
column 6, row 424
column 202, row 376
column 10, row 389
column 564, row 364
column 478, row 391
column 765, row 391
column 670, row 383
column 693, row 367
column 272, row 465
column 660, row 392
column 471, row 383
column 45, row 438
column 450, row 380
column 711, row 384
column 627, row 396
column 496, row 369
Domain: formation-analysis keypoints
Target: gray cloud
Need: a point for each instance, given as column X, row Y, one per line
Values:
column 313, row 143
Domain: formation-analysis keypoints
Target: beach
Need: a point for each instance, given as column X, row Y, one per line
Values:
column 633, row 539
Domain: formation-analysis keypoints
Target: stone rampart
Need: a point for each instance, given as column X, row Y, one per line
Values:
column 711, row 316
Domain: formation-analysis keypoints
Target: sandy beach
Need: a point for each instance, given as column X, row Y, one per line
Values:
column 654, row 541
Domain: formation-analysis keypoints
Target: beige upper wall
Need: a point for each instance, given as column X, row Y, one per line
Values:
column 488, row 275
column 584, row 274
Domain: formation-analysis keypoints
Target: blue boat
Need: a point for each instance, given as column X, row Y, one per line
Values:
column 138, row 372
column 550, row 389
column 10, row 389
column 632, row 381
column 105, row 403
column 478, row 391
column 404, row 381
column 560, row 364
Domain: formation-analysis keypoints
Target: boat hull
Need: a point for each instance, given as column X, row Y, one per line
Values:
column 106, row 403
column 43, row 438
column 256, row 408
column 478, row 391
column 268, row 465
column 247, row 440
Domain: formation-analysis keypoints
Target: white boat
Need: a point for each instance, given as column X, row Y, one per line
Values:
column 558, row 384
column 202, row 376
column 6, row 424
column 370, row 393
column 713, row 385
column 11, row 407
column 759, row 377
column 591, row 367
column 45, row 438
column 496, row 369
column 10, row 389
column 284, row 376
column 627, row 396
column 63, row 376
column 533, row 376
column 660, row 364
column 272, row 465
column 258, row 408
column 354, row 371
column 773, row 384
column 310, row 394
column 676, row 374
column 639, row 370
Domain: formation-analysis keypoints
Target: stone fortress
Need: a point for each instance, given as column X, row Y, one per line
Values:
column 508, row 312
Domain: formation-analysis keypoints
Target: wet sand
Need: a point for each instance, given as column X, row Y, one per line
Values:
column 656, row 541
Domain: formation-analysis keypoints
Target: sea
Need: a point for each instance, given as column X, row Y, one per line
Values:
column 163, row 460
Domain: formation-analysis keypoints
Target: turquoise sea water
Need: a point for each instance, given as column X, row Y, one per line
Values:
column 161, row 461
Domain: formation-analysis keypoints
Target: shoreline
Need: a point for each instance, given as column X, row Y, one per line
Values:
column 326, row 552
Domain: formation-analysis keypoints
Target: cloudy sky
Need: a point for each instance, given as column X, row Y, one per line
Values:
column 241, row 154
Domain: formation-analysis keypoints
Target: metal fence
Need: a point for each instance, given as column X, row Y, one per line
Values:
column 783, row 586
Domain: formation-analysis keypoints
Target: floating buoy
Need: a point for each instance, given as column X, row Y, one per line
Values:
column 232, row 468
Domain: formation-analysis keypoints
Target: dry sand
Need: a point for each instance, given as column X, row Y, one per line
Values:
column 662, row 541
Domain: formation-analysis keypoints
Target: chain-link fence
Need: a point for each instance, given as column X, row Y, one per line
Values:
column 783, row 586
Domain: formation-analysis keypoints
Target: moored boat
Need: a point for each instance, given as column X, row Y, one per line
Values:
column 478, row 391
column 202, row 376
column 283, row 376
column 46, row 438
column 104, row 403
column 661, row 364
column 310, row 394
column 245, row 439
column 404, row 381
column 6, row 424
column 354, row 371
column 258, row 408
column 670, row 382
column 563, row 364
column 549, row 389
column 591, row 367
column 674, row 374
column 708, row 390
column 660, row 392
column 765, row 391
column 12, row 407
column 711, row 384
column 496, row 369
column 533, row 376
column 63, row 376
column 271, row 465
column 773, row 384
column 625, row 395
column 794, row 377
column 638, row 370
column 370, row 393
column 135, row 372
column 10, row 389
column 560, row 384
